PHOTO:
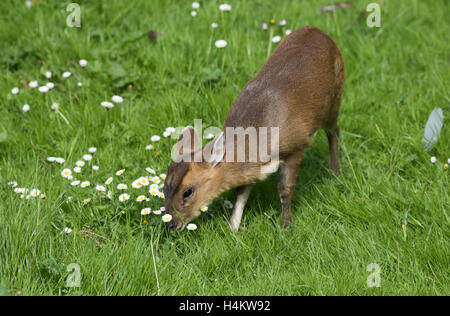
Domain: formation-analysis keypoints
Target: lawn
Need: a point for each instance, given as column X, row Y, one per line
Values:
column 388, row 207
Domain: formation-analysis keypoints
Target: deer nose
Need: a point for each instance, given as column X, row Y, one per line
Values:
column 172, row 224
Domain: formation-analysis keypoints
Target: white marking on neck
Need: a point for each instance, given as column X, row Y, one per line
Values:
column 270, row 167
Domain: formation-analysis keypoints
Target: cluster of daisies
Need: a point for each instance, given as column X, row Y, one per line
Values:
column 110, row 105
column 221, row 43
column 272, row 23
column 26, row 193
column 223, row 8
column 434, row 160
column 156, row 138
column 44, row 88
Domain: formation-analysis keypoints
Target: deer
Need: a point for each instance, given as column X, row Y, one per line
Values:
column 297, row 92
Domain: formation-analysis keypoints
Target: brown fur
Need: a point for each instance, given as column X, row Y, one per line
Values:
column 299, row 90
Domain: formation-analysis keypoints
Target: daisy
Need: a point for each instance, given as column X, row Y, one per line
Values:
column 124, row 197
column 86, row 201
column 137, row 184
column 195, row 5
column 145, row 211
column 79, row 163
column 15, row 90
column 155, row 138
column 12, row 184
column 204, row 209
column 33, row 84
column 170, row 129
column 117, row 99
column 83, row 62
column 43, row 196
column 35, row 192
column 283, row 22
column 225, row 7
column 433, row 159
column 109, row 180
column 166, row 134
column 149, row 147
column 77, row 169
column 107, row 105
column 157, row 212
column 191, row 227
column 161, row 195
column 50, row 85
column 87, row 157
column 141, row 198
column 144, row 181
column 26, row 108
column 166, row 218
column 95, row 168
column 29, row 3
column 109, row 195
column 67, row 230
column 288, row 32
column 227, row 204
column 156, row 180
column 54, row 106
column 154, row 187
column 265, row 26
column 70, row 177
column 220, row 43
column 60, row 160
column 43, row 89
column 214, row 25
column 193, row 13
column 48, row 74
column 120, row 172
column 19, row 190
column 163, row 176
column 154, row 192
column 100, row 188
column 75, row 183
column 122, row 186
column 66, row 173
column 92, row 150
column 85, row 184
column 162, row 209
column 66, row 74
column 51, row 159
column 79, row 84
column 276, row 39
column 150, row 170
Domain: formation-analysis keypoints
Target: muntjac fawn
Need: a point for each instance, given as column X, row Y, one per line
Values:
column 297, row 92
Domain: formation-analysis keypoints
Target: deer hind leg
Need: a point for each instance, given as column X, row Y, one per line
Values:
column 242, row 194
column 333, row 142
column 288, row 177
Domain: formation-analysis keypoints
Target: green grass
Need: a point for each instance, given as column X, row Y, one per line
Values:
column 395, row 76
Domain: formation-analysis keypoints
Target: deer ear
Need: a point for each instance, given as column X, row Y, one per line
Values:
column 187, row 142
column 218, row 150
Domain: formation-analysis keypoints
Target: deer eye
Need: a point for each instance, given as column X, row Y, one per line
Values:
column 187, row 194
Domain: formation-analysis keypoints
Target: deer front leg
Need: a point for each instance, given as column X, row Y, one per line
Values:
column 288, row 177
column 242, row 194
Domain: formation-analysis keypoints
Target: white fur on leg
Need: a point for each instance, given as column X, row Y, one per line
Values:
column 241, row 200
